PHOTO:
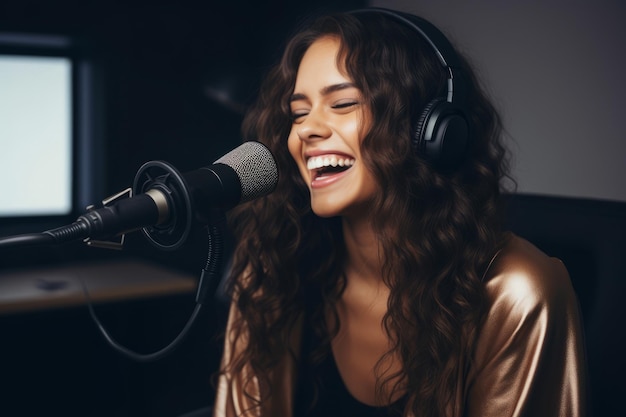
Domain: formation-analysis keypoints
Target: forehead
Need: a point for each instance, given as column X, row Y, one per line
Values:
column 319, row 64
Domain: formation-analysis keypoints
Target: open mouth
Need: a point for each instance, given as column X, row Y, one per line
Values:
column 328, row 165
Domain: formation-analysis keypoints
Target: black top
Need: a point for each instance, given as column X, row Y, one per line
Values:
column 322, row 393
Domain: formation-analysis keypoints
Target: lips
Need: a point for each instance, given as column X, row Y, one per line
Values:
column 328, row 168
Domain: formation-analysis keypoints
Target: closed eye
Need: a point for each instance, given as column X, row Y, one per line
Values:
column 345, row 106
column 295, row 116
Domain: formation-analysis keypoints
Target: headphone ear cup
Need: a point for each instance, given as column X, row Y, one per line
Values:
column 441, row 134
column 420, row 127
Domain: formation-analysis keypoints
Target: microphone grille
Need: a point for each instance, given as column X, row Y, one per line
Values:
column 256, row 168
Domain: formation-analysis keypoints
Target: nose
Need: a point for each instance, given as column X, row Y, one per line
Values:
column 313, row 127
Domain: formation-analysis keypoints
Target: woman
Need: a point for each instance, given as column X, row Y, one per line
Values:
column 376, row 279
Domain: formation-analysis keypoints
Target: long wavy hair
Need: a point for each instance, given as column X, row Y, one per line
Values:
column 438, row 229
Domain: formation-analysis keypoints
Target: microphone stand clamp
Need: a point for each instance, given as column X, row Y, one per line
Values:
column 116, row 244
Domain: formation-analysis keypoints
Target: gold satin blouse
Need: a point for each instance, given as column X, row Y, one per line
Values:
column 529, row 359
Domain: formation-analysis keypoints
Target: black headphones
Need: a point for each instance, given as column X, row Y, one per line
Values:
column 442, row 130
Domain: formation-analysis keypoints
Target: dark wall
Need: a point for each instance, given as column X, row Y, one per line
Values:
column 155, row 64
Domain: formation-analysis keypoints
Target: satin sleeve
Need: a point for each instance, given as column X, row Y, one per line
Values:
column 529, row 358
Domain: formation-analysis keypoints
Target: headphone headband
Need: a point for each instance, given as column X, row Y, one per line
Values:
column 439, row 43
column 442, row 130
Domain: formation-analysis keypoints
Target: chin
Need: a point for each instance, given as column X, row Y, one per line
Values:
column 353, row 199
column 324, row 208
column 325, row 212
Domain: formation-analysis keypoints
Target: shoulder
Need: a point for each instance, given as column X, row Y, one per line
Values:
column 524, row 278
column 528, row 357
column 529, row 296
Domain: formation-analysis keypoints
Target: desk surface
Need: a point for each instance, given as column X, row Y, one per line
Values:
column 31, row 289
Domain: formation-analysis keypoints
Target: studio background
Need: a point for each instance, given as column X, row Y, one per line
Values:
column 170, row 82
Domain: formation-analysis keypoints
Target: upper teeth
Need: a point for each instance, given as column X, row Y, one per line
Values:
column 316, row 162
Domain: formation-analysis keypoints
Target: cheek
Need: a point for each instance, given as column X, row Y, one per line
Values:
column 295, row 150
column 294, row 145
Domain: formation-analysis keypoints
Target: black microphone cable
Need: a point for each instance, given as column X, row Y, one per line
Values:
column 209, row 280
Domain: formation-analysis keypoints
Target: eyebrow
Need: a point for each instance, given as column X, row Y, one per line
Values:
column 325, row 90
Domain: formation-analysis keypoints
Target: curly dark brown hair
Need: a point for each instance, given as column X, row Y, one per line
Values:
column 438, row 229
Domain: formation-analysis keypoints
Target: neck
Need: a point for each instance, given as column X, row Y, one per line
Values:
column 363, row 251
